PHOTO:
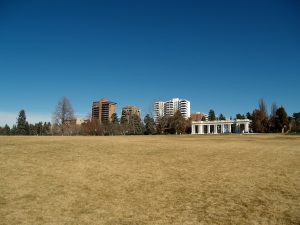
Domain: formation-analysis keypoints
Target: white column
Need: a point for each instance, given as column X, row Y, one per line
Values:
column 229, row 128
column 247, row 127
column 193, row 128
column 222, row 128
column 208, row 129
column 216, row 128
column 201, row 129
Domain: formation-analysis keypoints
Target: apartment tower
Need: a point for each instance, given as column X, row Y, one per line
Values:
column 159, row 109
column 169, row 108
column 103, row 110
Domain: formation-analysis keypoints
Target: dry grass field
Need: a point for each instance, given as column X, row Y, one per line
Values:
column 230, row 179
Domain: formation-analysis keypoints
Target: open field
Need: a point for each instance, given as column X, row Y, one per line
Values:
column 230, row 179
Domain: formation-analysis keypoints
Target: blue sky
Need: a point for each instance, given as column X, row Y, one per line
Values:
column 221, row 55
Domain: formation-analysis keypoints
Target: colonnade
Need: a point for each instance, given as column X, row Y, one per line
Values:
column 220, row 126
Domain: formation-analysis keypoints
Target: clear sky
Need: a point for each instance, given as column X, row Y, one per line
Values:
column 221, row 55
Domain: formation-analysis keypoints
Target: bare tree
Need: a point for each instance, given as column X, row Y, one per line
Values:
column 274, row 108
column 64, row 117
column 178, row 123
column 162, row 123
column 260, row 120
column 92, row 127
column 263, row 108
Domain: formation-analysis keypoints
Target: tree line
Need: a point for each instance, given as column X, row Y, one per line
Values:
column 277, row 121
column 64, row 123
column 24, row 128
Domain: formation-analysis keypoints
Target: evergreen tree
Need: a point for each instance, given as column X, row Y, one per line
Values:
column 281, row 120
column 272, row 120
column 248, row 116
column 135, row 125
column 14, row 130
column 114, row 118
column 239, row 116
column 39, row 128
column 296, row 119
column 32, row 129
column 6, row 130
column 1, row 130
column 149, row 125
column 124, row 117
column 22, row 124
column 211, row 115
column 222, row 117
column 47, row 128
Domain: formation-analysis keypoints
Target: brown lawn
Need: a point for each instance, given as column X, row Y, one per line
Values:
column 230, row 179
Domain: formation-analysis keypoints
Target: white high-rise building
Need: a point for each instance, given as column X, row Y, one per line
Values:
column 159, row 109
column 169, row 108
column 185, row 108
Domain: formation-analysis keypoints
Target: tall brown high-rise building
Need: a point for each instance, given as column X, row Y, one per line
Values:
column 103, row 110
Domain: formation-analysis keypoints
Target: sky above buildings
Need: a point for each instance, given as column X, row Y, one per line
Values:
column 221, row 55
